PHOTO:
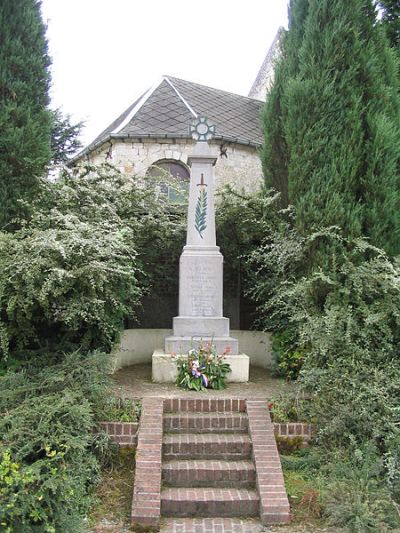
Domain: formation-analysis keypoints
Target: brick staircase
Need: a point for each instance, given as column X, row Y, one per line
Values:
column 213, row 459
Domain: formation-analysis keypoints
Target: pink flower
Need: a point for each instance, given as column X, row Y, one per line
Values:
column 227, row 350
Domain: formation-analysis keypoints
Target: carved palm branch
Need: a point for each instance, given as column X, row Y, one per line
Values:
column 201, row 212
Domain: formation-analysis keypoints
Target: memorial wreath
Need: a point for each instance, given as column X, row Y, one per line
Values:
column 202, row 368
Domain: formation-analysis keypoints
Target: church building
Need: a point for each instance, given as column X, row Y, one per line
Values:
column 154, row 130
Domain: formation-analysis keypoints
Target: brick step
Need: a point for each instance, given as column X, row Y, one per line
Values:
column 206, row 446
column 209, row 422
column 225, row 525
column 206, row 473
column 205, row 405
column 209, row 502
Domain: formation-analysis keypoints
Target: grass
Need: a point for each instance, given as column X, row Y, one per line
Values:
column 114, row 494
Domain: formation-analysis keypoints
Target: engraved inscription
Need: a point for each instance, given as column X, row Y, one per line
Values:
column 203, row 285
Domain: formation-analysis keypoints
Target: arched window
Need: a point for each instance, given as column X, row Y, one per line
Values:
column 173, row 179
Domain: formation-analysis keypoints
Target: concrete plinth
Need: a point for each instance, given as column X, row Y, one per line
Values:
column 164, row 368
column 207, row 326
column 182, row 345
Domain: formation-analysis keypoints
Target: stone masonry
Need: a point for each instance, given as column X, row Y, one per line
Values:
column 241, row 168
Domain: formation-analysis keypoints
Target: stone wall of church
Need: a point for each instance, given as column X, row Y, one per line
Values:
column 237, row 165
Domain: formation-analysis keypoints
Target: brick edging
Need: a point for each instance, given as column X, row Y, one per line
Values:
column 274, row 503
column 146, row 504
column 294, row 429
column 122, row 433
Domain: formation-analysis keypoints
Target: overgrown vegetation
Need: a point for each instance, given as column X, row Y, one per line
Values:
column 122, row 410
column 80, row 266
column 50, row 457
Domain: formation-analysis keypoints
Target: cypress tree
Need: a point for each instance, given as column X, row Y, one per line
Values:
column 25, row 121
column 391, row 21
column 274, row 155
column 341, row 123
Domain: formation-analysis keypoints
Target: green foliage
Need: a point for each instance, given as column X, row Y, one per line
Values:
column 72, row 283
column 289, row 362
column 202, row 368
column 391, row 21
column 48, row 466
column 332, row 122
column 79, row 372
column 80, row 266
column 355, row 498
column 25, row 121
column 64, row 138
column 343, row 315
column 347, row 322
column 287, row 445
column 122, row 410
column 304, row 482
column 290, row 407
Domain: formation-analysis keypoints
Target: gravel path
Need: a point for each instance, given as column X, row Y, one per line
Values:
column 135, row 382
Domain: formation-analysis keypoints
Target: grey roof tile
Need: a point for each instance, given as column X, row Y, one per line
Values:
column 164, row 113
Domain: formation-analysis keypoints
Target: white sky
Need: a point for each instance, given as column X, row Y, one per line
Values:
column 106, row 53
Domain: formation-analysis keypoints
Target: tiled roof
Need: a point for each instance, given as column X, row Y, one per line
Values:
column 167, row 110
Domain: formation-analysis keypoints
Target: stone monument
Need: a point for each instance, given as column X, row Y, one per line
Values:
column 201, row 319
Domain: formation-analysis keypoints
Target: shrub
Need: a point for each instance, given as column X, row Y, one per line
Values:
column 356, row 498
column 79, row 267
column 288, row 361
column 48, row 449
column 69, row 285
column 122, row 410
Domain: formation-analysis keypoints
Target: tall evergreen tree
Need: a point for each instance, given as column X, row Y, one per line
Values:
column 391, row 21
column 275, row 150
column 25, row 120
column 341, row 123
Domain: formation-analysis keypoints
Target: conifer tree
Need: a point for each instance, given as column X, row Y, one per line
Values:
column 274, row 152
column 391, row 21
column 341, row 123
column 25, row 121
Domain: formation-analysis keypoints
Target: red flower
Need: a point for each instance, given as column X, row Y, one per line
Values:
column 227, row 350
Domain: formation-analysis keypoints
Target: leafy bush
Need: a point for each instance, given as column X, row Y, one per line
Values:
column 288, row 361
column 291, row 407
column 80, row 266
column 48, row 448
column 338, row 304
column 72, row 283
column 356, row 498
column 122, row 410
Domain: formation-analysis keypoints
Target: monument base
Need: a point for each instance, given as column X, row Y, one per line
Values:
column 164, row 368
column 180, row 345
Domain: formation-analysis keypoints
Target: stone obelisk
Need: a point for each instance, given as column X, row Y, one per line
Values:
column 201, row 317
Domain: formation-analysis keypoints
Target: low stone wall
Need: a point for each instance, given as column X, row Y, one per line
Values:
column 123, row 433
column 137, row 346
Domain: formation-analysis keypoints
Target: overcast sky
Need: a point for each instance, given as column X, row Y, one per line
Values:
column 106, row 53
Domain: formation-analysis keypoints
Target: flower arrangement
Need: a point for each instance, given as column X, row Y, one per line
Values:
column 202, row 369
